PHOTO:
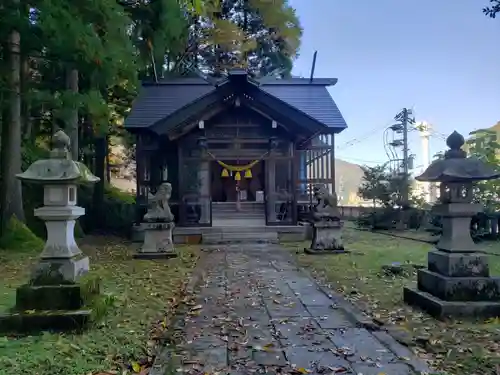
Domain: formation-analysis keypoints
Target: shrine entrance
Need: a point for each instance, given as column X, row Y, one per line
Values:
column 225, row 185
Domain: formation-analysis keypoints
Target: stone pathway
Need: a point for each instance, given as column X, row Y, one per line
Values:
column 257, row 313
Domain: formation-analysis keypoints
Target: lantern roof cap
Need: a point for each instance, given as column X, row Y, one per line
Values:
column 456, row 166
column 59, row 168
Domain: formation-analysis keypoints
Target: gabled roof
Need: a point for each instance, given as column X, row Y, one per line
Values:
column 158, row 101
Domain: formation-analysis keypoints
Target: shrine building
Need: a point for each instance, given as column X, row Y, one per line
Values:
column 237, row 151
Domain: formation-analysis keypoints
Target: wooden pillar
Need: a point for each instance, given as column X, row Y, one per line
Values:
column 271, row 183
column 139, row 172
column 182, row 204
column 204, row 188
column 295, row 181
column 332, row 160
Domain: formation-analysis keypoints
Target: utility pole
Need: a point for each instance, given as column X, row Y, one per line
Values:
column 405, row 120
column 405, row 192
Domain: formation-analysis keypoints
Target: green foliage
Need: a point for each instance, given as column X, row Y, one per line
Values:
column 118, row 210
column 484, row 146
column 492, row 10
column 375, row 184
column 110, row 44
column 18, row 237
column 138, row 297
column 381, row 187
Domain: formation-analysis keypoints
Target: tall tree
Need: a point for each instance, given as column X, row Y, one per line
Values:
column 375, row 184
column 263, row 36
column 11, row 202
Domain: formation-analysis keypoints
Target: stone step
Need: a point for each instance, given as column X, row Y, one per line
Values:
column 240, row 236
column 231, row 207
column 239, row 216
column 257, row 230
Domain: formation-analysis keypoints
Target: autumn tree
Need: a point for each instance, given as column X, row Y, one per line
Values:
column 259, row 35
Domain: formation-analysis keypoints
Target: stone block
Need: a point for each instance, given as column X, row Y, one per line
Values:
column 362, row 344
column 158, row 241
column 458, row 264
column 49, row 297
column 56, row 271
column 327, row 235
column 291, row 237
column 441, row 309
column 309, row 358
column 59, row 320
column 459, row 288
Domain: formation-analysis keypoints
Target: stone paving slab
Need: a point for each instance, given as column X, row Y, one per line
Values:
column 258, row 313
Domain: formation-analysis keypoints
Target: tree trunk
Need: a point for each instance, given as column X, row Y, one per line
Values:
column 98, row 198
column 11, row 201
column 108, row 166
column 26, row 105
column 72, row 126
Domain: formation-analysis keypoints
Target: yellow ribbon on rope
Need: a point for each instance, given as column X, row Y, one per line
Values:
column 237, row 169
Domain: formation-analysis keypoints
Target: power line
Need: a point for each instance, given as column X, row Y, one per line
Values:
column 347, row 158
column 356, row 140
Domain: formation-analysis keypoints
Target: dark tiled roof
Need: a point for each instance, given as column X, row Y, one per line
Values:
column 156, row 101
column 313, row 100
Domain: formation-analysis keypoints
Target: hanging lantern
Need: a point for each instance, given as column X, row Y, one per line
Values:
column 225, row 173
column 237, row 176
column 248, row 173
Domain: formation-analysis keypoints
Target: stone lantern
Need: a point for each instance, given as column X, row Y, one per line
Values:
column 457, row 281
column 54, row 282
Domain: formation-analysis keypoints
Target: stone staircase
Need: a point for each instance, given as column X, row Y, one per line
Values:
column 246, row 225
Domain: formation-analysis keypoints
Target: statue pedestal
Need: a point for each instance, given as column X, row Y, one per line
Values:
column 327, row 238
column 158, row 241
column 456, row 282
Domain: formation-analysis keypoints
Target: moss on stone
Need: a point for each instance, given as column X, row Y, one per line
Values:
column 19, row 237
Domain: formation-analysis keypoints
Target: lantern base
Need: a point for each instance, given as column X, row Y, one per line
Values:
column 441, row 309
column 459, row 288
column 61, row 307
column 37, row 321
column 55, row 271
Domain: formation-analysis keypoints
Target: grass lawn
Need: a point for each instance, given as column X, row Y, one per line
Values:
column 145, row 294
column 456, row 348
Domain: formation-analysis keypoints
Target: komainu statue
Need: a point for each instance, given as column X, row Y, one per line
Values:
column 326, row 208
column 158, row 226
column 158, row 205
column 326, row 223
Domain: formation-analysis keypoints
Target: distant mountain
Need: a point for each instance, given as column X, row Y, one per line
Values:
column 348, row 177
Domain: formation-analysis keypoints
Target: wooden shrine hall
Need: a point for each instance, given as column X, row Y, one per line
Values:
column 237, row 151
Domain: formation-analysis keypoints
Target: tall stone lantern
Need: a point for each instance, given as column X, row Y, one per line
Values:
column 457, row 280
column 54, row 282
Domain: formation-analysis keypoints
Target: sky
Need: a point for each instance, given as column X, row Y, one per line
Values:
column 441, row 58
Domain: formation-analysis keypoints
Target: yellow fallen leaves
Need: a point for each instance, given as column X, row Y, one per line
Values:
column 136, row 367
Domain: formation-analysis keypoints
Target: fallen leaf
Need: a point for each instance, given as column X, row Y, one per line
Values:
column 136, row 367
